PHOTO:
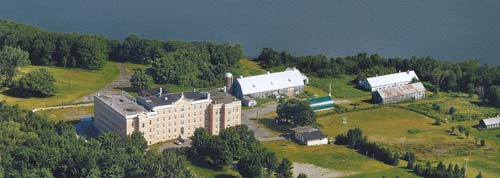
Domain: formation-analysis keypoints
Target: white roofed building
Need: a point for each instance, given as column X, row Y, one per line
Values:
column 288, row 83
column 388, row 81
column 490, row 123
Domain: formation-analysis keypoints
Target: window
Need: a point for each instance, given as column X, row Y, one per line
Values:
column 149, row 122
column 143, row 125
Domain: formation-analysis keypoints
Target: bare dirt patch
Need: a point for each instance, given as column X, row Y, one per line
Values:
column 317, row 172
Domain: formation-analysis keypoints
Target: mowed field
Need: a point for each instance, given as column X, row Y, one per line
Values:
column 405, row 130
column 71, row 85
column 337, row 158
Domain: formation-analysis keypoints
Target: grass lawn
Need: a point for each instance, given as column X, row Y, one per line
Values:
column 471, row 107
column 68, row 114
column 405, row 130
column 204, row 169
column 341, row 86
column 71, row 85
column 249, row 68
column 338, row 158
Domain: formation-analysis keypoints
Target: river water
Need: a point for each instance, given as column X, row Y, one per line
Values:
column 445, row 29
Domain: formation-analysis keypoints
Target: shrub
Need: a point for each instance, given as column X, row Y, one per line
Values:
column 39, row 83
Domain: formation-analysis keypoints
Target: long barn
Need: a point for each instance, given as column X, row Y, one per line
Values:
column 287, row 83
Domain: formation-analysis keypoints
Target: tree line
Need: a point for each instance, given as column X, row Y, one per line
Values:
column 355, row 140
column 468, row 76
column 59, row 49
column 34, row 147
column 198, row 64
column 238, row 144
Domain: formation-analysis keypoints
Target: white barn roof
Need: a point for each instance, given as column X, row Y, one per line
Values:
column 492, row 121
column 392, row 78
column 271, row 81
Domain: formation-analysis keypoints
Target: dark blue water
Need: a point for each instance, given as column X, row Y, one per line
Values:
column 446, row 29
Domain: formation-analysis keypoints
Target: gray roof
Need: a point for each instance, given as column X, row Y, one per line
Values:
column 492, row 121
column 167, row 99
column 401, row 90
column 303, row 129
column 313, row 135
column 122, row 103
column 221, row 97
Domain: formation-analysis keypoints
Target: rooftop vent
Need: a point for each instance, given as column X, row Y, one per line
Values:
column 166, row 98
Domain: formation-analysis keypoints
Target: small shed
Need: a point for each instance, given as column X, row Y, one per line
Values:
column 321, row 103
column 248, row 101
column 310, row 136
column 490, row 123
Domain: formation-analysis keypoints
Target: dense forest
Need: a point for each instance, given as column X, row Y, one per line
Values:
column 60, row 49
column 34, row 147
column 469, row 76
column 198, row 64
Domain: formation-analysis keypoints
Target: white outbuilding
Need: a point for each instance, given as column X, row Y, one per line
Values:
column 310, row 136
column 286, row 83
column 490, row 123
column 388, row 81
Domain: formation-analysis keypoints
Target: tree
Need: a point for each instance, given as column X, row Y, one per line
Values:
column 302, row 175
column 436, row 107
column 200, row 143
column 10, row 59
column 297, row 111
column 249, row 166
column 479, row 175
column 140, row 80
column 39, row 83
column 483, row 142
column 452, row 110
column 284, row 169
column 492, row 95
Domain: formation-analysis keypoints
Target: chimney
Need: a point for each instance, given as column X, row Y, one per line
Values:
column 268, row 72
column 225, row 89
column 161, row 91
column 241, row 76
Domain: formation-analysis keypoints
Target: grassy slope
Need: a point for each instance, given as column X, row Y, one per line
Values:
column 68, row 114
column 205, row 170
column 71, row 85
column 341, row 86
column 338, row 158
column 390, row 126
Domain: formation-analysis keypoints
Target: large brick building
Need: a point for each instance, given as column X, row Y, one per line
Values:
column 166, row 116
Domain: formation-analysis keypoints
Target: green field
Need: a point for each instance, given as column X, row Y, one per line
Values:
column 68, row 114
column 204, row 169
column 338, row 158
column 249, row 68
column 405, row 130
column 71, row 85
column 342, row 87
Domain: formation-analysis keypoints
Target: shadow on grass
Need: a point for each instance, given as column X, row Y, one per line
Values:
column 205, row 164
column 483, row 104
column 16, row 94
column 271, row 124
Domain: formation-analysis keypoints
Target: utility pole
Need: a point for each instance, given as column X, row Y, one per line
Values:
column 465, row 174
column 344, row 122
